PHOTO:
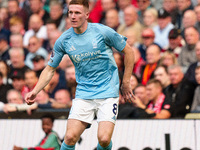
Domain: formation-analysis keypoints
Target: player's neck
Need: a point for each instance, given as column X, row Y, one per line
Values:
column 81, row 29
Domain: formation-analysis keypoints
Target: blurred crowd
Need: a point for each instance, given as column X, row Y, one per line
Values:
column 164, row 35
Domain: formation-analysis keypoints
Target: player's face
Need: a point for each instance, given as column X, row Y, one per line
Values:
column 47, row 125
column 78, row 15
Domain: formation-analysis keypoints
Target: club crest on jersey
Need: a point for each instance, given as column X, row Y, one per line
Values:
column 94, row 43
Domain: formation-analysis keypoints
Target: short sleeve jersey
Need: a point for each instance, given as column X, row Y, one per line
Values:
column 92, row 55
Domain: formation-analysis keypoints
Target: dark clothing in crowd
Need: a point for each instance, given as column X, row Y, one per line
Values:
column 190, row 74
column 181, row 98
column 128, row 111
column 3, row 90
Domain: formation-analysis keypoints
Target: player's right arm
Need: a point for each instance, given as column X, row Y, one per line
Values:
column 44, row 79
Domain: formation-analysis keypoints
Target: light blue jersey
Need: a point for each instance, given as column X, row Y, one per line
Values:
column 91, row 53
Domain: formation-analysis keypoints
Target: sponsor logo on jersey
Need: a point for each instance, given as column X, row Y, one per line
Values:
column 86, row 56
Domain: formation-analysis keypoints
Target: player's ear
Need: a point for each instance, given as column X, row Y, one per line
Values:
column 87, row 14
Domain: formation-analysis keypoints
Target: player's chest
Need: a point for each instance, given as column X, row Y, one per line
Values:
column 85, row 48
column 83, row 44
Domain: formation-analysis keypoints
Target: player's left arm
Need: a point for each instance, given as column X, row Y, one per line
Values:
column 128, row 63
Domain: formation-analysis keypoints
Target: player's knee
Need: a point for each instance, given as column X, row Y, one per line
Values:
column 70, row 139
column 104, row 140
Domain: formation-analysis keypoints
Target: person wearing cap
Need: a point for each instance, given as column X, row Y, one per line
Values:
column 163, row 28
column 38, row 64
column 148, row 37
column 4, row 47
column 176, row 41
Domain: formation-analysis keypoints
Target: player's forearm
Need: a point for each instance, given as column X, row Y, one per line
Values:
column 44, row 78
column 128, row 63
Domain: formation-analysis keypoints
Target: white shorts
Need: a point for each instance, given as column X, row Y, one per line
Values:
column 85, row 110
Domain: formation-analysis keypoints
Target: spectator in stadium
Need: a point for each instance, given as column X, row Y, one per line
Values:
column 3, row 90
column 112, row 19
column 180, row 92
column 122, row 4
column 157, row 105
column 153, row 58
column 16, row 25
column 163, row 28
column 39, row 64
column 148, row 37
column 53, row 36
column 30, row 79
column 196, row 100
column 3, row 14
column 190, row 74
column 150, row 18
column 131, row 23
column 16, row 41
column 15, row 102
column 187, row 55
column 5, row 70
column 51, row 141
column 143, row 5
column 51, row 27
column 62, row 99
column 106, row 5
column 56, row 14
column 4, row 47
column 182, row 6
column 36, row 7
column 18, row 82
column 36, row 28
column 161, row 74
column 139, row 62
column 55, row 84
column 176, row 41
column 189, row 20
column 171, row 7
column 14, row 10
column 168, row 58
column 17, row 61
column 3, row 17
column 140, row 92
column 35, row 48
column 131, row 38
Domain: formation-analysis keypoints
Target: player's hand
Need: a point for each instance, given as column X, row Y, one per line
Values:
column 30, row 98
column 127, row 92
